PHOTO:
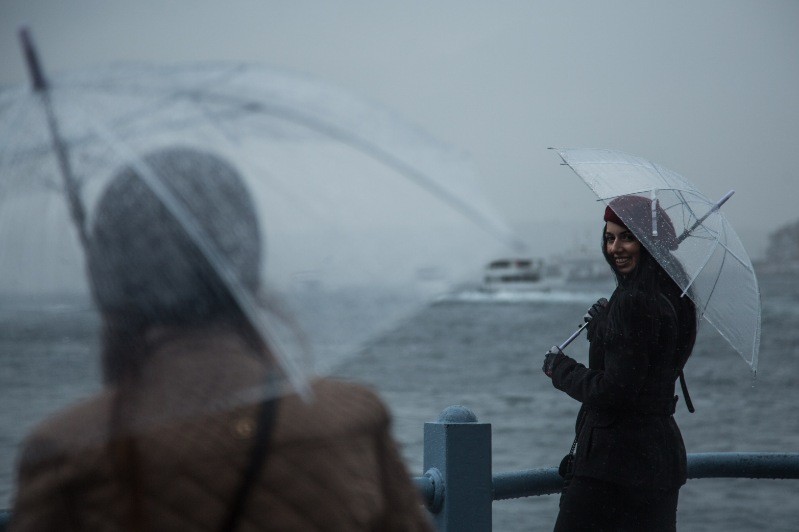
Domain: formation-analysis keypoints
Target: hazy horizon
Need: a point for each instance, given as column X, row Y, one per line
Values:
column 707, row 89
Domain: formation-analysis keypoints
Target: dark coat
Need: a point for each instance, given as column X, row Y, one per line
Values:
column 626, row 431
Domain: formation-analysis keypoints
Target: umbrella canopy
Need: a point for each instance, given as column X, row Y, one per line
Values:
column 686, row 233
column 323, row 219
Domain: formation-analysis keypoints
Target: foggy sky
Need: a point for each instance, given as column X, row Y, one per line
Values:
column 709, row 89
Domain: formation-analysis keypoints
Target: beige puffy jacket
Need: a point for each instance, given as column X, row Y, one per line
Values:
column 332, row 464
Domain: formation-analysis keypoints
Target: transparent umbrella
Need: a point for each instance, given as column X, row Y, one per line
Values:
column 704, row 255
column 357, row 218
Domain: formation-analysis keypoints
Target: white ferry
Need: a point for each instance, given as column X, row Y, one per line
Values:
column 512, row 275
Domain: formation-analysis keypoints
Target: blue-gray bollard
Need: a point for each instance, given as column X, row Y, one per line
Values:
column 457, row 458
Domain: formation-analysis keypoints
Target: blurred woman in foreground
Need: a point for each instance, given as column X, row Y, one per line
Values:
column 197, row 427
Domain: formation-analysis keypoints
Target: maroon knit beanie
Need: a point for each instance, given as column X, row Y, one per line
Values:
column 638, row 211
column 611, row 216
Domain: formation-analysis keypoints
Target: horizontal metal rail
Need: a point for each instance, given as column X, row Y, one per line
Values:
column 459, row 488
column 546, row 481
column 744, row 465
column 527, row 483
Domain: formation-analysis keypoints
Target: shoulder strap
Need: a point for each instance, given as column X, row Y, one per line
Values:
column 683, row 385
column 266, row 421
column 687, row 397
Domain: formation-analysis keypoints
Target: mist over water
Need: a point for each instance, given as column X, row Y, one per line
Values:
column 485, row 352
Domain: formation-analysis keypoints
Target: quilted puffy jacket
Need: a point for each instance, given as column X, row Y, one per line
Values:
column 331, row 462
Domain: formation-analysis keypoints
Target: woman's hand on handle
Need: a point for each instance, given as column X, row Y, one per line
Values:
column 595, row 309
column 551, row 355
column 549, row 359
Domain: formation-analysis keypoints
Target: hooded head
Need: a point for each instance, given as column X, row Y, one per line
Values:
column 649, row 278
column 635, row 213
column 144, row 259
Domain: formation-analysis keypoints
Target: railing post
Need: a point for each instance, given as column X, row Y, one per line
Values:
column 457, row 453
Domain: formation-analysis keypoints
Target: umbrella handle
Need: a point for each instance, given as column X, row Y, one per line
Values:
column 573, row 336
column 40, row 86
column 32, row 60
column 713, row 209
column 588, row 317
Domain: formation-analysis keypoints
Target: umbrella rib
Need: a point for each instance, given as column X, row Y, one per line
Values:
column 662, row 177
column 701, row 268
column 130, row 120
column 746, row 264
column 175, row 96
column 387, row 159
column 715, row 282
column 647, row 190
column 125, row 123
column 229, row 138
column 690, row 209
column 627, row 163
column 728, row 251
column 243, row 106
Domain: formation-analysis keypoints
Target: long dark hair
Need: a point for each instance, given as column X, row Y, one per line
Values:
column 654, row 292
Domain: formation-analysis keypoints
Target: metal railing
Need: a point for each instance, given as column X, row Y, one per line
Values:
column 458, row 486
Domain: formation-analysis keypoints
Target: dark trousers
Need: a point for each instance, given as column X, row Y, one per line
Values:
column 595, row 505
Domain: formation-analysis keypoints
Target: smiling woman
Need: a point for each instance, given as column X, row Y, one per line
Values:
column 622, row 246
column 629, row 460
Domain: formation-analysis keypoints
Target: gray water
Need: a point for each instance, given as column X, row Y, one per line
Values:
column 485, row 353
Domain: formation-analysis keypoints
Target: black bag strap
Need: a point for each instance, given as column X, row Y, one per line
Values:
column 680, row 373
column 565, row 469
column 574, row 444
column 265, row 424
column 687, row 397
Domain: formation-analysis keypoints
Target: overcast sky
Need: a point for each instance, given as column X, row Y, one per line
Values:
column 709, row 89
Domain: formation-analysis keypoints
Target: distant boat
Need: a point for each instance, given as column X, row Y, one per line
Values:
column 512, row 274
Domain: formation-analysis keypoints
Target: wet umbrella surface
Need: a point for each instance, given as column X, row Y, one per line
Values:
column 316, row 219
column 700, row 250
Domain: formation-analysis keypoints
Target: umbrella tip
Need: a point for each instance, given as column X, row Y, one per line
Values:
column 31, row 59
